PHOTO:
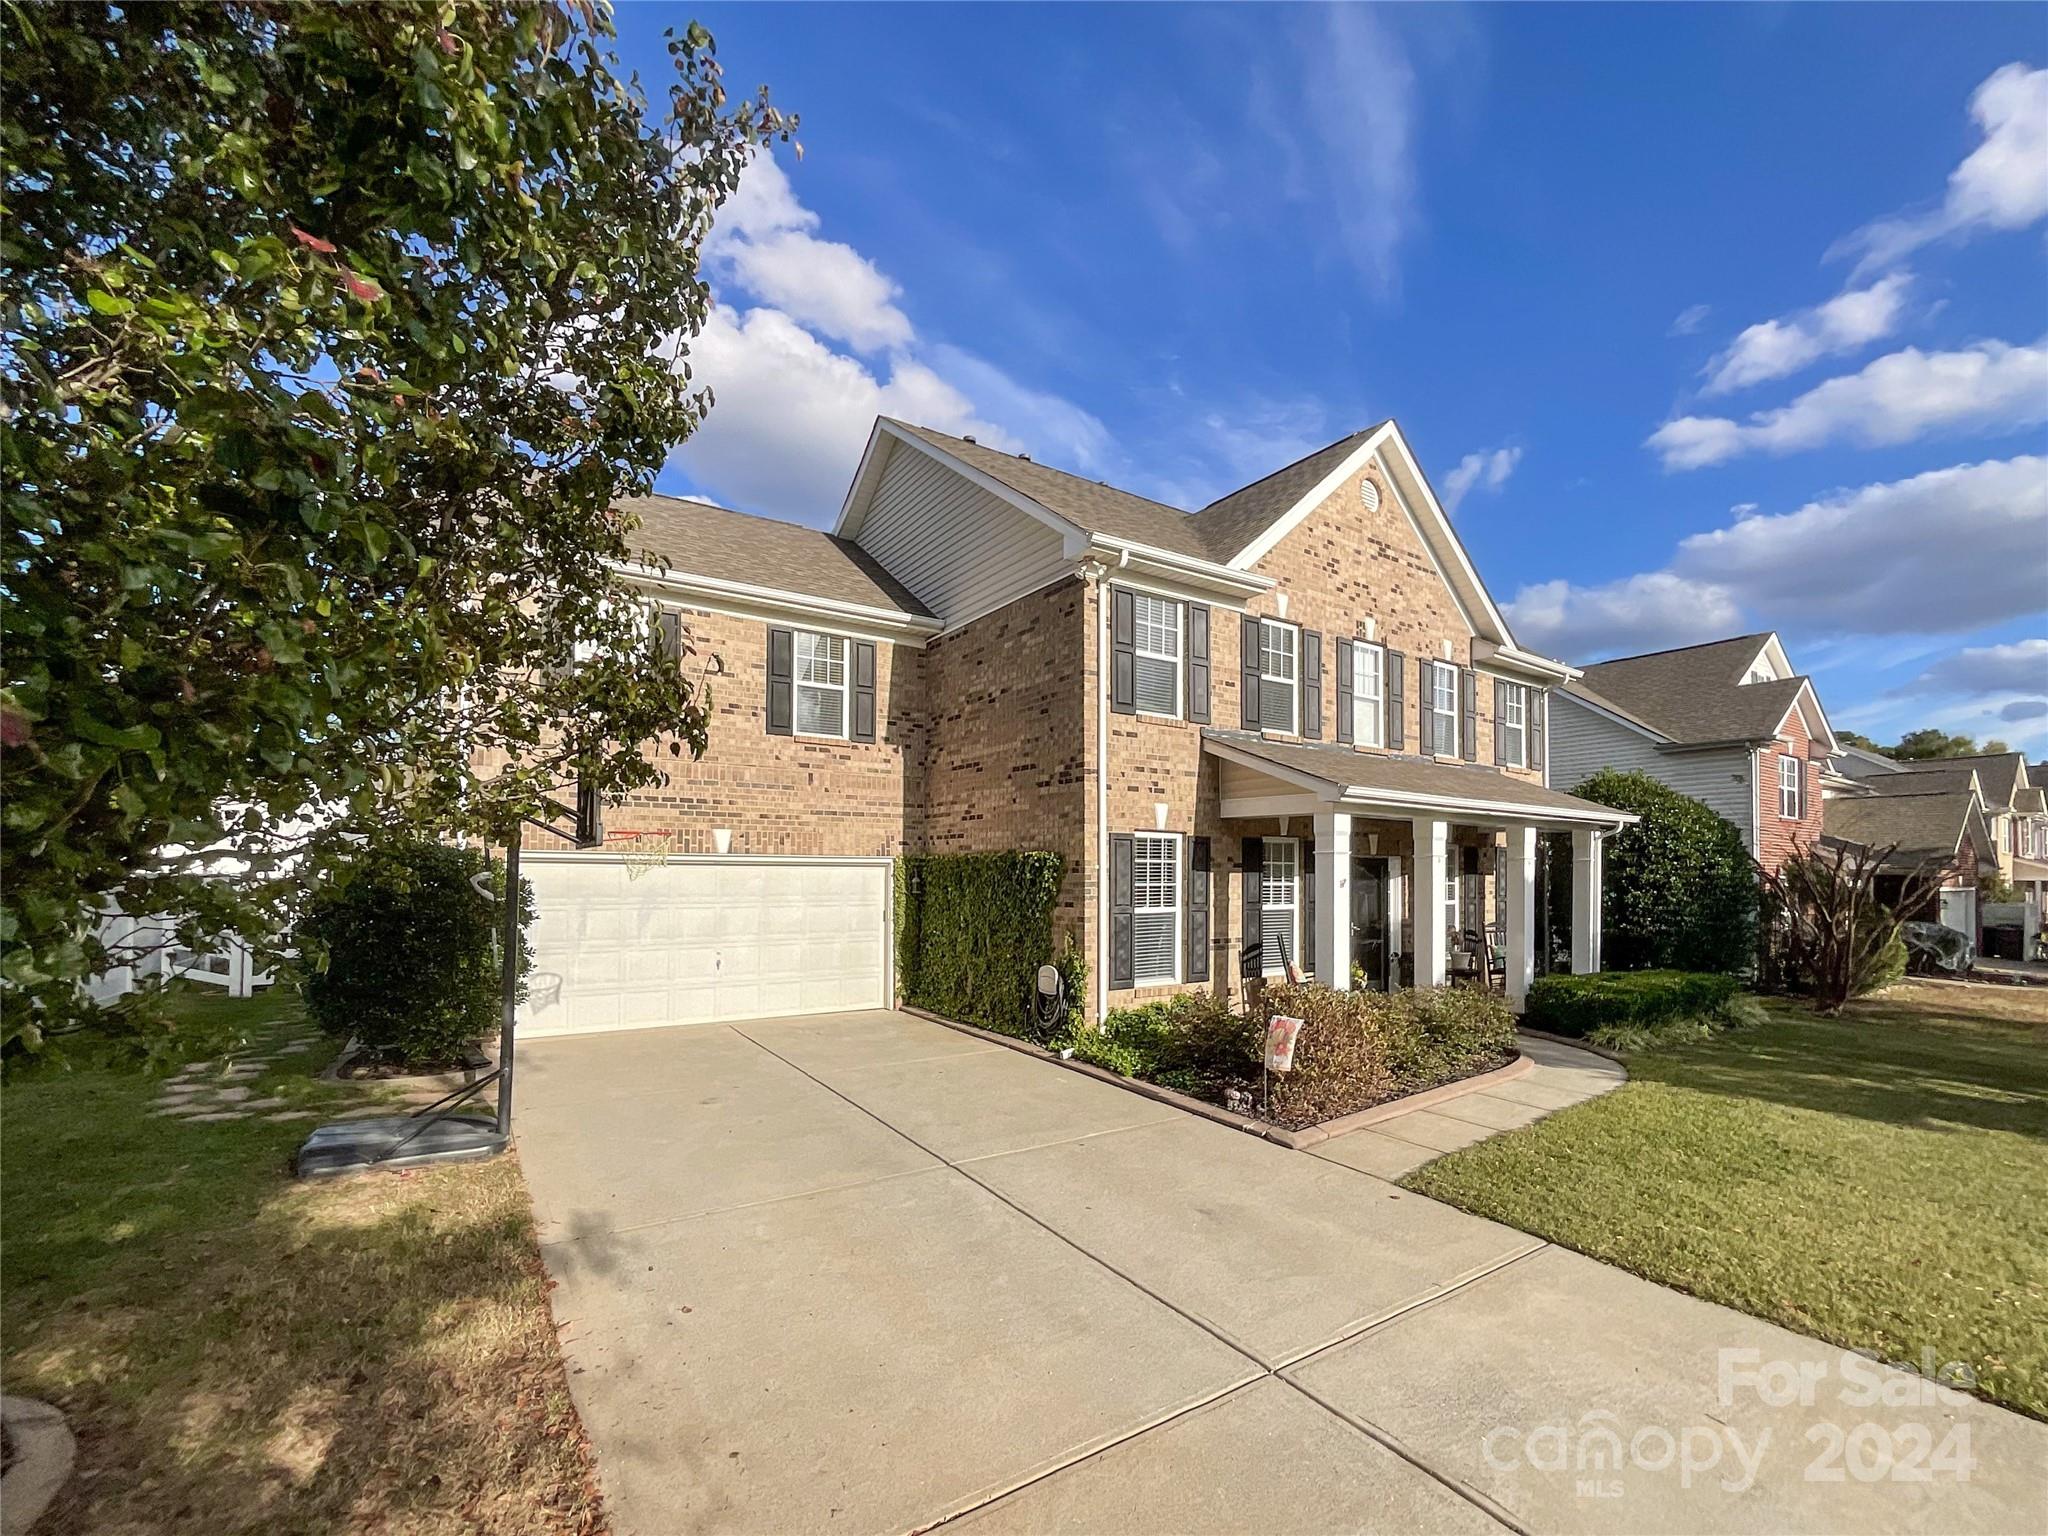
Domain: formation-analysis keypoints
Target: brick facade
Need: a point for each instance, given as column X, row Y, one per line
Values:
column 1777, row 835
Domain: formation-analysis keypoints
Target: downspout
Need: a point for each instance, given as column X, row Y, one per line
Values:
column 1095, row 574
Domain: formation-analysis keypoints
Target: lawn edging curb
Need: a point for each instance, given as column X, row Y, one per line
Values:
column 1578, row 1045
column 44, row 1451
column 1307, row 1136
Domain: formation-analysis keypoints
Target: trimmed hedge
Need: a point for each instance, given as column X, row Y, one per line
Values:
column 1193, row 1043
column 1580, row 1005
column 398, row 953
column 1358, row 1049
column 972, row 929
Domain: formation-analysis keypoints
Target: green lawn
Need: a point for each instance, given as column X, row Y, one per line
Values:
column 1878, row 1180
column 240, row 1352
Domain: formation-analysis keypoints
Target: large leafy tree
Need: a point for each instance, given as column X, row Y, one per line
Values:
column 330, row 335
column 1928, row 744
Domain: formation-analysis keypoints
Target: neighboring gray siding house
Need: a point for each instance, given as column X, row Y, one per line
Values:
column 1728, row 723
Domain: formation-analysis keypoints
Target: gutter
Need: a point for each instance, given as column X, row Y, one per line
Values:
column 892, row 621
column 1144, row 559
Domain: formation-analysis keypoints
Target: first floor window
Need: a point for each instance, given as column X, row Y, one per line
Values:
column 1157, row 626
column 820, row 684
column 1280, row 905
column 1155, row 909
column 1369, row 694
column 1791, row 787
column 1514, row 724
column 1278, row 679
column 1443, row 708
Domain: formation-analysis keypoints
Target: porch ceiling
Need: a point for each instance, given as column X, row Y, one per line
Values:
column 1297, row 776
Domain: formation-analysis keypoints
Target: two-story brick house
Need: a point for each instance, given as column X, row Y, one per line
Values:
column 1292, row 724
column 1729, row 723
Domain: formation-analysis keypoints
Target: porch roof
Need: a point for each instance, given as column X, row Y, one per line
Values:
column 1371, row 783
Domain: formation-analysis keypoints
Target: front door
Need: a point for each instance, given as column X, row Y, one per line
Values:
column 1369, row 920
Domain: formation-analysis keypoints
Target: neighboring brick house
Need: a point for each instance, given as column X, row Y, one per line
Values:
column 1728, row 723
column 1284, row 724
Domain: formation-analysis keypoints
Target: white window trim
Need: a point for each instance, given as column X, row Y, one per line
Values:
column 1795, row 787
column 1439, row 669
column 844, row 688
column 1179, row 630
column 1515, row 698
column 1293, row 911
column 1368, row 716
column 1293, row 726
column 1173, row 841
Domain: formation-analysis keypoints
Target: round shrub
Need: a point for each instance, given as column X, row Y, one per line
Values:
column 1583, row 1005
column 398, row 953
column 1679, row 890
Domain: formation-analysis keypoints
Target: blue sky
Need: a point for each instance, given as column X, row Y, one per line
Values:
column 1707, row 319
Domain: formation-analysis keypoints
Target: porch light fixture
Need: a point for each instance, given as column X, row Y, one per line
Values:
column 721, row 839
column 1159, row 813
column 1372, row 843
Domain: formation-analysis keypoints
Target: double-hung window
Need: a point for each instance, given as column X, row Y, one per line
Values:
column 1443, row 708
column 1155, row 909
column 1791, row 787
column 821, row 684
column 1156, row 621
column 1369, row 694
column 1280, row 904
column 1279, row 676
column 1514, row 724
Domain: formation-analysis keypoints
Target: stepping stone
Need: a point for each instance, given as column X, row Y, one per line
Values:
column 291, row 1114
column 294, row 1050
column 265, row 1103
column 231, row 1095
column 245, row 1069
column 172, row 1092
column 218, row 1114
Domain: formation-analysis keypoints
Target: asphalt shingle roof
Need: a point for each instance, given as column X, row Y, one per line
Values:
column 1230, row 523
column 1694, row 694
column 1337, row 764
column 1923, row 826
column 703, row 540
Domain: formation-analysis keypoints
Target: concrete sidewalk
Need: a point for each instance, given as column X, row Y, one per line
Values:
column 868, row 1273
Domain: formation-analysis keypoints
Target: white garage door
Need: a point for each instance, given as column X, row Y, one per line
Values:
column 702, row 938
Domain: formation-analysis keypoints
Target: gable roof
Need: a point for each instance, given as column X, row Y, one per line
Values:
column 2001, row 773
column 1231, row 523
column 1922, row 826
column 2038, row 775
column 1694, row 694
column 1935, row 781
column 738, row 547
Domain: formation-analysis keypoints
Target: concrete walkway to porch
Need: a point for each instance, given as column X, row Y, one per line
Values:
column 1563, row 1076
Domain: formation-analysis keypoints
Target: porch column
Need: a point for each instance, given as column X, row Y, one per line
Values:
column 1586, row 856
column 1431, row 834
column 1397, row 910
column 1519, row 878
column 1333, row 899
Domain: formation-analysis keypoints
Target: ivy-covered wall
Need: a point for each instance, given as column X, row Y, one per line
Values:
column 972, row 929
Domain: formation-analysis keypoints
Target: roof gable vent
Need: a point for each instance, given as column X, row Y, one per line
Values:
column 1369, row 493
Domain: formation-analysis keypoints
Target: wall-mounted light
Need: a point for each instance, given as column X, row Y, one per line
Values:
column 1372, row 842
column 721, row 839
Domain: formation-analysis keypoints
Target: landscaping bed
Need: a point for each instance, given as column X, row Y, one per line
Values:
column 1874, row 1179
column 239, row 1352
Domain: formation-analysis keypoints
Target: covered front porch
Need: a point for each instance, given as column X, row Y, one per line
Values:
column 1401, row 871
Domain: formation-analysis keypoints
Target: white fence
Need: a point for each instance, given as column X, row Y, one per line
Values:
column 145, row 947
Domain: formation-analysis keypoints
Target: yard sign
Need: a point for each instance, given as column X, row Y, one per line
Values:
column 1280, row 1037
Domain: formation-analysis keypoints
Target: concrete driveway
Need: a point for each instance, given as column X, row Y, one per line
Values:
column 865, row 1273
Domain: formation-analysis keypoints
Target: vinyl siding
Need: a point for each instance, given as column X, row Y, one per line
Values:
column 961, row 550
column 1582, row 743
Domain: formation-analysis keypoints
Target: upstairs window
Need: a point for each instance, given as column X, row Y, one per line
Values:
column 820, row 684
column 1369, row 694
column 1155, row 909
column 1514, row 724
column 1791, row 787
column 1157, row 628
column 1279, row 676
column 1280, row 904
column 1443, row 708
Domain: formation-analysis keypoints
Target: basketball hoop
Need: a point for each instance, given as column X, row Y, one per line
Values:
column 646, row 851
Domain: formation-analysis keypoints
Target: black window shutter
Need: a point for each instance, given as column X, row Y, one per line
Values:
column 1123, row 652
column 1537, row 712
column 1250, row 895
column 1311, row 685
column 1347, row 726
column 1468, row 698
column 1307, row 900
column 1198, row 663
column 863, row 690
column 1396, row 673
column 1197, row 908
column 1500, row 738
column 1120, row 854
column 668, row 629
column 1248, row 669
column 781, row 665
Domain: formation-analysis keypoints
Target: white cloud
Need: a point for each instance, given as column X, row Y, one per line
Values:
column 1942, row 552
column 1487, row 470
column 2018, row 667
column 2002, row 185
column 762, row 242
column 1775, row 348
column 1988, row 387
column 1691, row 319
